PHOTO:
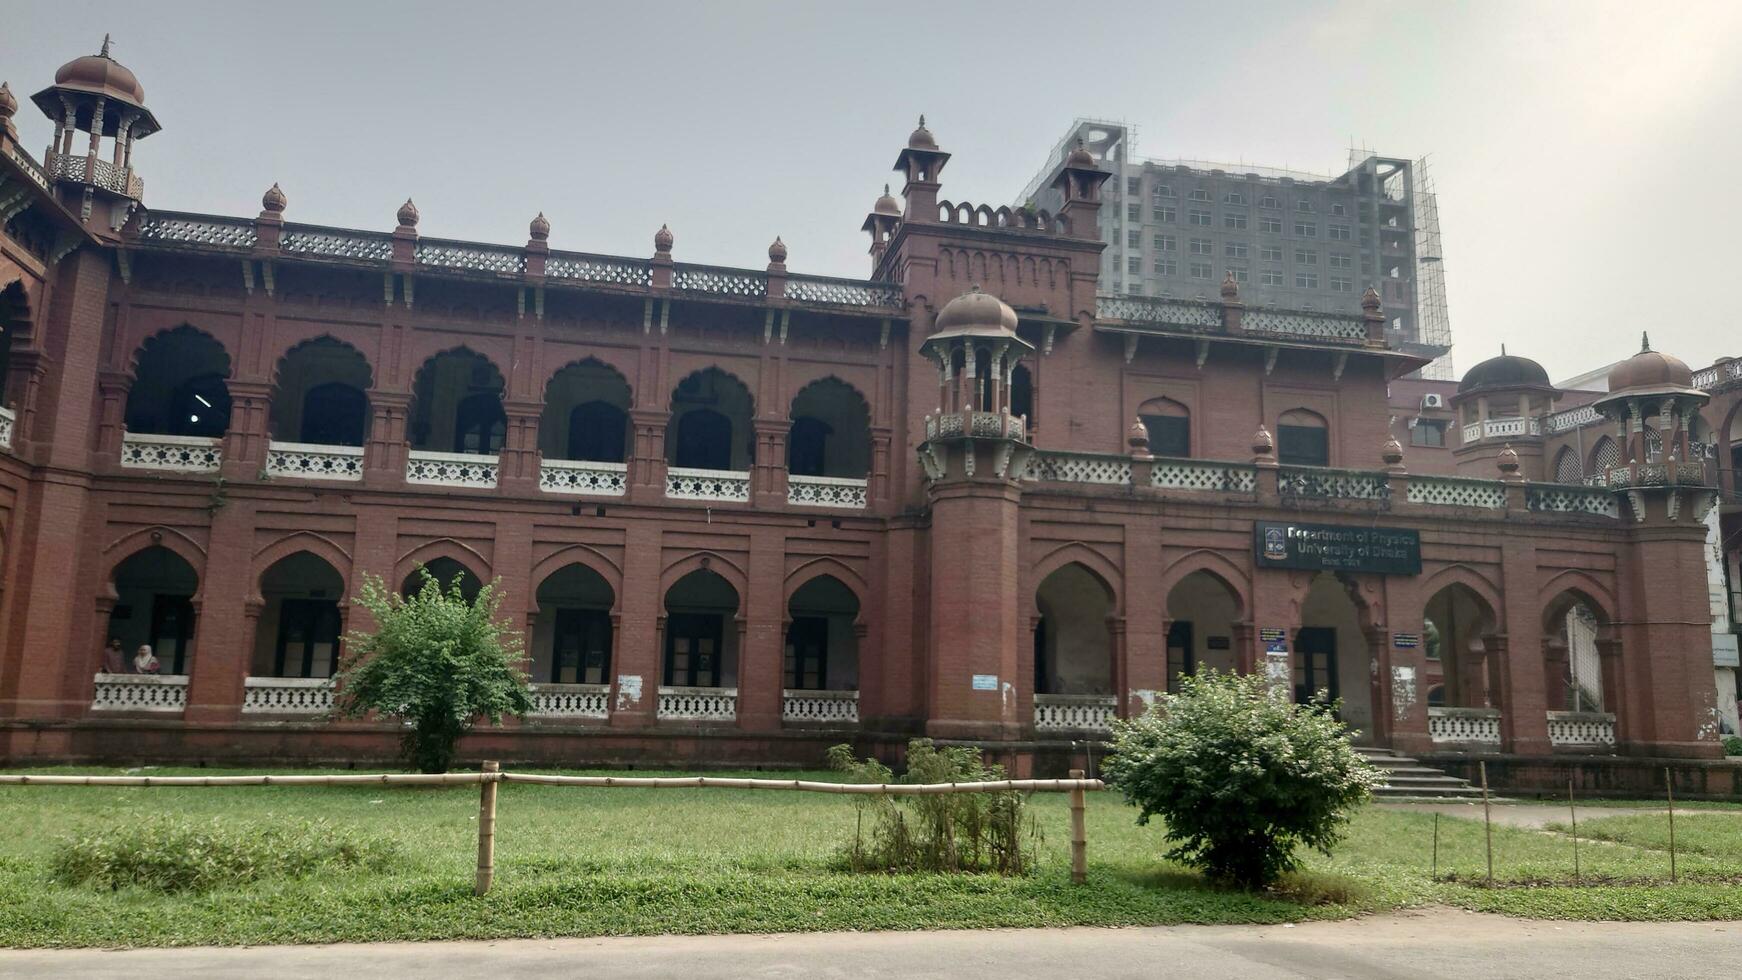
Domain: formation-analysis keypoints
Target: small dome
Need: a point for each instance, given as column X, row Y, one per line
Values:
column 1505, row 371
column 540, row 228
column 1080, row 157
column 274, row 200
column 777, row 251
column 887, row 204
column 408, row 214
column 921, row 138
column 976, row 312
column 101, row 75
column 662, row 239
column 1650, row 369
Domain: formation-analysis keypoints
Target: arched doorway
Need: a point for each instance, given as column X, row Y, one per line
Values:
column 701, row 634
column 179, row 387
column 586, row 414
column 822, row 642
column 154, row 592
column 299, row 626
column 1202, row 611
column 1073, row 642
column 319, row 395
column 1576, row 673
column 456, row 405
column 1331, row 656
column 710, row 423
column 831, row 432
column 572, row 635
column 446, row 571
column 1457, row 627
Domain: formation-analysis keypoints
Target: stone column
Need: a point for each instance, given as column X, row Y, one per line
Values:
column 385, row 451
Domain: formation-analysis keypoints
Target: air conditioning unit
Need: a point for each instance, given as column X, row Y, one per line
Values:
column 1433, row 399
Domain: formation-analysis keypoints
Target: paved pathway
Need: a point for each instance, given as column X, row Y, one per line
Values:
column 1428, row 943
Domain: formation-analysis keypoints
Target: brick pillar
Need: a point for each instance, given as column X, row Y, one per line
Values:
column 385, row 449
column 639, row 649
column 768, row 473
column 223, row 633
column 647, row 455
column 517, row 472
column 112, row 388
column 245, row 442
column 1515, row 667
column 761, row 654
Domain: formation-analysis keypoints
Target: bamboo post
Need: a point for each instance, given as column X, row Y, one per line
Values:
column 1487, row 822
column 486, row 830
column 1575, row 815
column 1079, row 834
column 1436, row 864
column 1669, row 787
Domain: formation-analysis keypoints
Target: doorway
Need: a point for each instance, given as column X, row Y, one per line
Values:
column 1315, row 664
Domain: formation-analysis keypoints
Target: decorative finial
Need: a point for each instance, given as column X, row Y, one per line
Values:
column 1230, row 288
column 885, row 184
column 105, row 52
column 540, row 228
column 9, row 104
column 922, row 120
column 274, row 200
column 777, row 251
column 1507, row 461
column 408, row 214
column 1644, row 341
column 662, row 239
column 1392, row 454
column 1502, row 350
column 1370, row 300
column 1262, row 444
column 1138, row 437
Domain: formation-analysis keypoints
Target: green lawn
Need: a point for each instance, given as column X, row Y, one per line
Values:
column 621, row 861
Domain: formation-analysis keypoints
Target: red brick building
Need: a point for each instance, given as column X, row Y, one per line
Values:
column 746, row 513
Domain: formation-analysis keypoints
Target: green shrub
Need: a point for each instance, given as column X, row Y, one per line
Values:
column 435, row 660
column 173, row 855
column 951, row 832
column 1240, row 776
column 1733, row 745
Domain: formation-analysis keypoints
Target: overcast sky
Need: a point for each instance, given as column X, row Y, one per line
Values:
column 1582, row 150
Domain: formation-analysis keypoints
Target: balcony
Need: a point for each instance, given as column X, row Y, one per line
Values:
column 1074, row 712
column 826, row 491
column 287, row 695
column 718, row 704
column 306, row 461
column 566, row 702
column 156, row 693
column 465, row 470
column 838, row 709
column 582, row 477
column 175, row 454
column 730, row 486
column 97, row 172
column 1513, row 428
column 984, row 425
column 1464, row 726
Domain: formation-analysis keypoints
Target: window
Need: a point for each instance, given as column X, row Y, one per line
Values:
column 1203, row 246
column 1270, row 277
column 1170, row 428
column 1162, row 190
column 1134, row 265
column 1164, row 214
column 807, row 653
column 480, row 424
column 1268, row 201
column 1240, row 275
column 704, row 440
column 1304, row 207
column 1133, row 212
column 1134, row 239
column 1306, row 256
column 1270, row 253
column 1302, row 439
column 1342, row 284
column 1342, row 261
column 1338, row 233
column 692, row 649
column 1306, row 280
column 1234, row 250
column 308, row 638
column 1200, row 218
column 581, row 647
column 1135, row 290
column 1202, row 270
column 1234, row 221
column 1233, row 197
column 1166, row 267
column 1339, row 209
column 1164, row 243
column 1134, row 185
column 598, row 431
column 1306, row 229
column 1199, row 194
column 1272, row 225
column 1428, row 432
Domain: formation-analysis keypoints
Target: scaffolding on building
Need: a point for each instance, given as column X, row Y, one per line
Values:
column 1432, row 320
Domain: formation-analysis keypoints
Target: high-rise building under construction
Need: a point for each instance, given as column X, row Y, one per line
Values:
column 1175, row 228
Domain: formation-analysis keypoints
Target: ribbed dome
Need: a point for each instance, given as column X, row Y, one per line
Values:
column 1651, row 370
column 921, row 138
column 1080, row 157
column 103, row 75
column 978, row 313
column 1505, row 371
column 887, row 204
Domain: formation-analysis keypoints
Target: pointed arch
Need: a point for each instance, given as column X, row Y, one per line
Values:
column 1217, row 566
column 318, row 340
column 140, row 539
column 1461, row 574
column 711, row 561
column 578, row 554
column 187, row 331
column 830, row 566
column 1581, row 584
column 1095, row 563
column 319, row 545
column 458, row 551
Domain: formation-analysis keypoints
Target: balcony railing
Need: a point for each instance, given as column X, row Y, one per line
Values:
column 1321, row 482
column 1473, row 726
column 103, row 174
column 1074, row 712
column 1571, row 419
column 1445, row 491
column 1513, row 428
column 450, row 469
column 820, row 707
column 826, row 491
column 1718, row 374
column 585, row 477
column 177, row 454
column 1191, row 474
column 1567, row 499
column 1581, row 728
column 698, row 703
column 287, row 695
column 1099, row 468
column 8, row 422
column 571, row 701
column 731, row 486
column 307, row 461
column 987, row 425
column 163, row 693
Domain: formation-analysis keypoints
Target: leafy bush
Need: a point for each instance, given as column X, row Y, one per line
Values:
column 1733, row 745
column 952, row 832
column 1240, row 776
column 435, row 660
column 173, row 855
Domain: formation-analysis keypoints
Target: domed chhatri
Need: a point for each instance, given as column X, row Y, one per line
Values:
column 887, row 204
column 975, row 312
column 1651, row 371
column 663, row 239
column 1080, row 157
column 102, row 75
column 777, row 251
column 274, row 200
column 1505, row 371
column 921, row 138
column 540, row 228
column 408, row 214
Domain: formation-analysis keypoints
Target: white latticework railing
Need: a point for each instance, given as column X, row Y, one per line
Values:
column 1445, row 491
column 820, row 707
column 846, row 292
column 1184, row 314
column 698, row 703
column 8, row 422
column 287, row 695
column 1191, row 474
column 181, row 454
column 1473, row 725
column 1319, row 326
column 571, row 701
column 598, row 268
column 1572, row 500
column 1074, row 712
column 336, row 243
column 1717, row 374
column 140, row 692
column 450, row 469
column 691, row 484
column 712, row 279
column 1581, row 728
column 1512, row 428
column 471, row 257
column 826, row 491
column 1313, row 481
column 1061, row 467
column 306, row 461
column 198, row 229
column 1571, row 419
column 988, row 425
column 595, row 479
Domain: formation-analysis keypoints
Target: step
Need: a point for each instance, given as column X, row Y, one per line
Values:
column 1405, row 778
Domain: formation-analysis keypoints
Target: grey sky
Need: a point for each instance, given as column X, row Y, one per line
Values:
column 1586, row 154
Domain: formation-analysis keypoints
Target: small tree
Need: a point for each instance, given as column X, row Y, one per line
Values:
column 435, row 660
column 1241, row 776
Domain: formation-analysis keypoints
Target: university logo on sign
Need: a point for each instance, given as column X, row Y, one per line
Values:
column 1275, row 544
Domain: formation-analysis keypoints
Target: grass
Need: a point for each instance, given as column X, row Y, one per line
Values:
column 633, row 861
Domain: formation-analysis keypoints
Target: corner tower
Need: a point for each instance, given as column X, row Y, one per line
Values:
column 97, row 96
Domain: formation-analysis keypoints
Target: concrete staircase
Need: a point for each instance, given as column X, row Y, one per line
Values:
column 1407, row 779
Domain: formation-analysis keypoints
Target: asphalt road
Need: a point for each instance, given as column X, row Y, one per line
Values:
column 1431, row 943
